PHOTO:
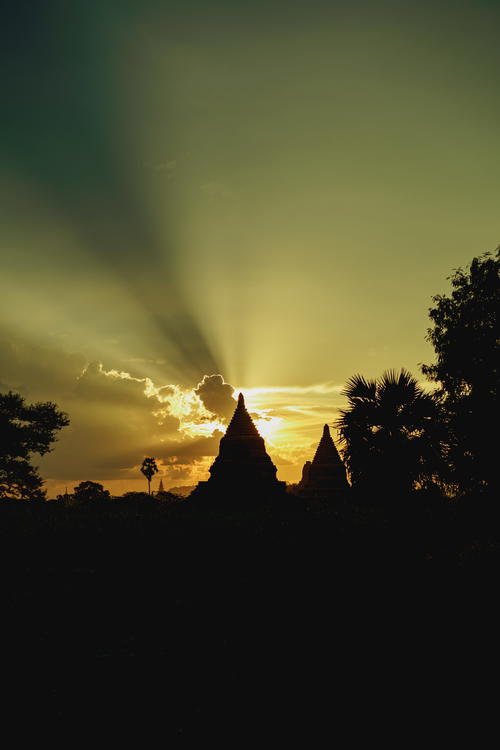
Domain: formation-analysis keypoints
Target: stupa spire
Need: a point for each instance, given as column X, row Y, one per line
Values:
column 326, row 452
column 241, row 423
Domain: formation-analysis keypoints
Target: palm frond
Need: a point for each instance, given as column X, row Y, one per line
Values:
column 358, row 387
column 387, row 430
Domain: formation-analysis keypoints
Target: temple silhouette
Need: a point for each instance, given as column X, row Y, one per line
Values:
column 243, row 468
column 244, row 472
column 325, row 476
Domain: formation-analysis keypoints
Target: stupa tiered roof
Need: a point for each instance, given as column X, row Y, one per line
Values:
column 325, row 475
column 243, row 466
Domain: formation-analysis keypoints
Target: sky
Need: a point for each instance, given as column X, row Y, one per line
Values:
column 198, row 199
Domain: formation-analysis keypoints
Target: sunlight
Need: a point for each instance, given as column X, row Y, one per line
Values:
column 268, row 427
column 203, row 429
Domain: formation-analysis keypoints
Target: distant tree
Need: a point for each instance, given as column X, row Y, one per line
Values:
column 25, row 429
column 389, row 432
column 137, row 497
column 149, row 469
column 466, row 338
column 90, row 492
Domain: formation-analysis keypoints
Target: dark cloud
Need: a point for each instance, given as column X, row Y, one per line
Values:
column 217, row 396
column 113, row 426
column 178, row 472
column 190, row 450
column 101, row 444
column 117, row 419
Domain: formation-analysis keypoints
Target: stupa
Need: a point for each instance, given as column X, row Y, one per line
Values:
column 243, row 468
column 325, row 475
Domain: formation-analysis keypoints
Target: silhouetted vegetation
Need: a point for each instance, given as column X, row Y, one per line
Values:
column 149, row 469
column 466, row 338
column 398, row 437
column 390, row 433
column 25, row 429
column 90, row 492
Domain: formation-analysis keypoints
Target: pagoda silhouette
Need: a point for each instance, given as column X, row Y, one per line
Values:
column 243, row 470
column 324, row 476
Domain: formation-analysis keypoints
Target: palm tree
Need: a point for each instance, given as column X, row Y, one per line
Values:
column 149, row 469
column 389, row 432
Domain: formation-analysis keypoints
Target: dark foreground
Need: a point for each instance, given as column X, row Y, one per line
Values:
column 280, row 623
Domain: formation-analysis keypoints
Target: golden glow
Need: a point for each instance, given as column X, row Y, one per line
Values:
column 203, row 429
column 269, row 427
column 291, row 419
column 236, row 198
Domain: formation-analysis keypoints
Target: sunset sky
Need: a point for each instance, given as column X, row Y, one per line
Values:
column 199, row 198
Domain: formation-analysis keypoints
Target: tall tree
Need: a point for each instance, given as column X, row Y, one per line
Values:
column 149, row 469
column 466, row 338
column 25, row 429
column 389, row 433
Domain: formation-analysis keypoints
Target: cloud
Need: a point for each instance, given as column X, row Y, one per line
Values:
column 117, row 419
column 279, row 460
column 318, row 388
column 113, row 426
column 190, row 450
column 217, row 396
column 113, row 387
column 176, row 473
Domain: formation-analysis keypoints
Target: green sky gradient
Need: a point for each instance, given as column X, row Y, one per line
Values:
column 272, row 191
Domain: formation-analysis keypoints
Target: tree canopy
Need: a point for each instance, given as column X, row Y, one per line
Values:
column 466, row 338
column 89, row 492
column 25, row 429
column 465, row 333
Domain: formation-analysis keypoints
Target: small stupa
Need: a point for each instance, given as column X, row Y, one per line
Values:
column 325, row 475
column 243, row 468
